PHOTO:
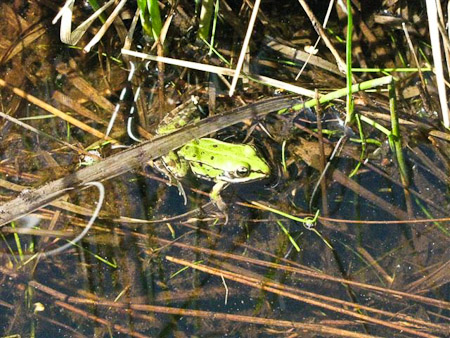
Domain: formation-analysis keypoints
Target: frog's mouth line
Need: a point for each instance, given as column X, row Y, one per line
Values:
column 240, row 179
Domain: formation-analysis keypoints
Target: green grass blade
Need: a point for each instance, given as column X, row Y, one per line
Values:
column 155, row 17
column 396, row 137
column 205, row 19
column 286, row 232
column 145, row 17
column 350, row 104
column 213, row 32
column 363, row 146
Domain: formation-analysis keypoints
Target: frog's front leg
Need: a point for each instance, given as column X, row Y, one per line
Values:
column 217, row 199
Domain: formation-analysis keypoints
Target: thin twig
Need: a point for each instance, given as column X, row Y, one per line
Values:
column 248, row 34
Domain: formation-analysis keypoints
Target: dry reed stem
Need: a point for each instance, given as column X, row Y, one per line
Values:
column 195, row 313
column 414, row 54
column 41, row 133
column 319, row 29
column 257, row 278
column 373, row 263
column 88, row 90
column 38, row 232
column 262, row 286
column 64, row 205
column 41, row 104
column 76, row 107
column 222, row 316
column 222, row 71
column 63, row 300
column 32, row 35
column 314, row 274
column 65, row 14
column 248, row 35
column 314, row 47
column 105, row 26
column 437, row 277
column 99, row 320
column 437, row 59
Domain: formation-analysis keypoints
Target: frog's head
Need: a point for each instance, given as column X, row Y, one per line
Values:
column 250, row 166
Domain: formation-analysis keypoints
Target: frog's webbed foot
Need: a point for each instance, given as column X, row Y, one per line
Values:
column 218, row 200
column 172, row 181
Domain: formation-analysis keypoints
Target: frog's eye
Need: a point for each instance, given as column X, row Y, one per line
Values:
column 242, row 172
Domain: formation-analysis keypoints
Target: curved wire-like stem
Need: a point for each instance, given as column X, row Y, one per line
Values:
column 70, row 243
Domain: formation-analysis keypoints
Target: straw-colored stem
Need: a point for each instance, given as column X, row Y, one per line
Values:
column 244, row 46
column 54, row 111
column 437, row 59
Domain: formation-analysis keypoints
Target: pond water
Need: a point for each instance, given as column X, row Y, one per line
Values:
column 375, row 263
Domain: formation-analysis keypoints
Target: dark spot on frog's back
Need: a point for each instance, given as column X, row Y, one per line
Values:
column 215, row 145
column 212, row 158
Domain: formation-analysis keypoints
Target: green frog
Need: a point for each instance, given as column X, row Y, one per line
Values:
column 208, row 158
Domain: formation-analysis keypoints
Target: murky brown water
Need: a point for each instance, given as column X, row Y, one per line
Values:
column 372, row 264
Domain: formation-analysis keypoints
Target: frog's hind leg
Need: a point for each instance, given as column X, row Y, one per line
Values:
column 164, row 166
column 181, row 191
